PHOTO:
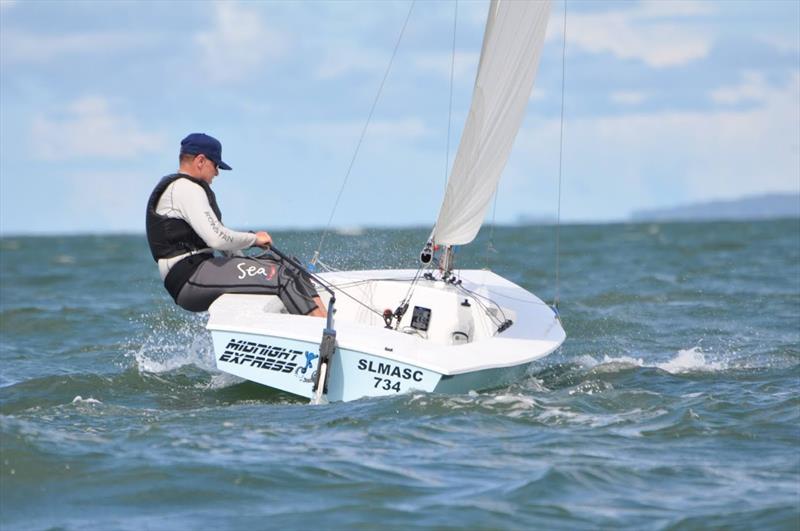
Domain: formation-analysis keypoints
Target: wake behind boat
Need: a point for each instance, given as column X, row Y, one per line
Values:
column 431, row 329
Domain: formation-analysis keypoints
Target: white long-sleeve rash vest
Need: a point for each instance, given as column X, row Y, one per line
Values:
column 186, row 200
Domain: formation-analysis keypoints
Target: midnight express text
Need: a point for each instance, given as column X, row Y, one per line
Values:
column 267, row 357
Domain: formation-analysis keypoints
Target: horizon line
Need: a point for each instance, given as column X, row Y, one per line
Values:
column 357, row 230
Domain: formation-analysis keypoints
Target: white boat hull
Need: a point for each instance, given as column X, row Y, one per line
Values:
column 291, row 366
column 255, row 341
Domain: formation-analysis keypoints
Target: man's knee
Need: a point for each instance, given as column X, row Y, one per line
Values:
column 192, row 301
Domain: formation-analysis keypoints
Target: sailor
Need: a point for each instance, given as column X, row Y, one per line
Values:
column 184, row 228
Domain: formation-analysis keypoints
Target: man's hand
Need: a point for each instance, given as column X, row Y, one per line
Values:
column 263, row 239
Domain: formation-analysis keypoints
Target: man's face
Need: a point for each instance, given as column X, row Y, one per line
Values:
column 206, row 168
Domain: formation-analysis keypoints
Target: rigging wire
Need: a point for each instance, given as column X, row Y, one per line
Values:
column 363, row 133
column 343, row 292
column 560, row 159
column 412, row 286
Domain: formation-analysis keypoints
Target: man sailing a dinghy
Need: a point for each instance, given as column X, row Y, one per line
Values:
column 184, row 228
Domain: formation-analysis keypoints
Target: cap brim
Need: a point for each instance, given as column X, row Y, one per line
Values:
column 223, row 166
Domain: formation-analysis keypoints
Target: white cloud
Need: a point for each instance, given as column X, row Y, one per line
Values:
column 538, row 94
column 336, row 136
column 239, row 44
column 646, row 31
column 674, row 8
column 752, row 151
column 342, row 52
column 753, row 88
column 6, row 4
column 781, row 42
column 628, row 97
column 341, row 59
column 471, row 13
column 613, row 165
column 465, row 63
column 25, row 47
column 89, row 128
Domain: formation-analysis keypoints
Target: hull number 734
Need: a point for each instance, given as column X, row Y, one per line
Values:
column 386, row 384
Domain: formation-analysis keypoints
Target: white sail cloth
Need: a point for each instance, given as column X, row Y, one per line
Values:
column 512, row 45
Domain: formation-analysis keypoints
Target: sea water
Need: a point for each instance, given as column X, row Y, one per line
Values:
column 674, row 402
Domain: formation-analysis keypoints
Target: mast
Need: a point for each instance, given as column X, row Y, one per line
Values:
column 512, row 44
column 447, row 261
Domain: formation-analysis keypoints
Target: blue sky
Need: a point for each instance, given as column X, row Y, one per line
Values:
column 667, row 102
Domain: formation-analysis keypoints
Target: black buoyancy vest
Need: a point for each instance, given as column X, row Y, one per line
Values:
column 170, row 237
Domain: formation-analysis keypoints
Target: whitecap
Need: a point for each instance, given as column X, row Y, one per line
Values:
column 166, row 350
column 690, row 360
column 687, row 360
column 64, row 259
column 614, row 364
column 80, row 400
column 222, row 380
column 517, row 404
column 609, row 363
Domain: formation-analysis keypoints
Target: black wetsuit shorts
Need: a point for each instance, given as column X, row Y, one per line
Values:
column 267, row 275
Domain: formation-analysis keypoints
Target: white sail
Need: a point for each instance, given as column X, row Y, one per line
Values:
column 512, row 45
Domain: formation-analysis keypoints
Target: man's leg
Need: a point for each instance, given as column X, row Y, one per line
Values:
column 296, row 287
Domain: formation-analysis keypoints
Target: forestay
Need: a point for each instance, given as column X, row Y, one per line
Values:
column 512, row 45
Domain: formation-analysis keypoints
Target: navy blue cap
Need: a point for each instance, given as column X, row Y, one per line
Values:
column 202, row 144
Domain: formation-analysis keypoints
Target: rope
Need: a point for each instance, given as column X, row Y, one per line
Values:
column 560, row 159
column 477, row 298
column 363, row 133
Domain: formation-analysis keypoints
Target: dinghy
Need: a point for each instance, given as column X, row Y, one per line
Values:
column 434, row 329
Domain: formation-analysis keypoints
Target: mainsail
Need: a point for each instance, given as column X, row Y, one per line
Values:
column 512, row 44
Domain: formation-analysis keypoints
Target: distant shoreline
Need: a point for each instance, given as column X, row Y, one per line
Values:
column 752, row 208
